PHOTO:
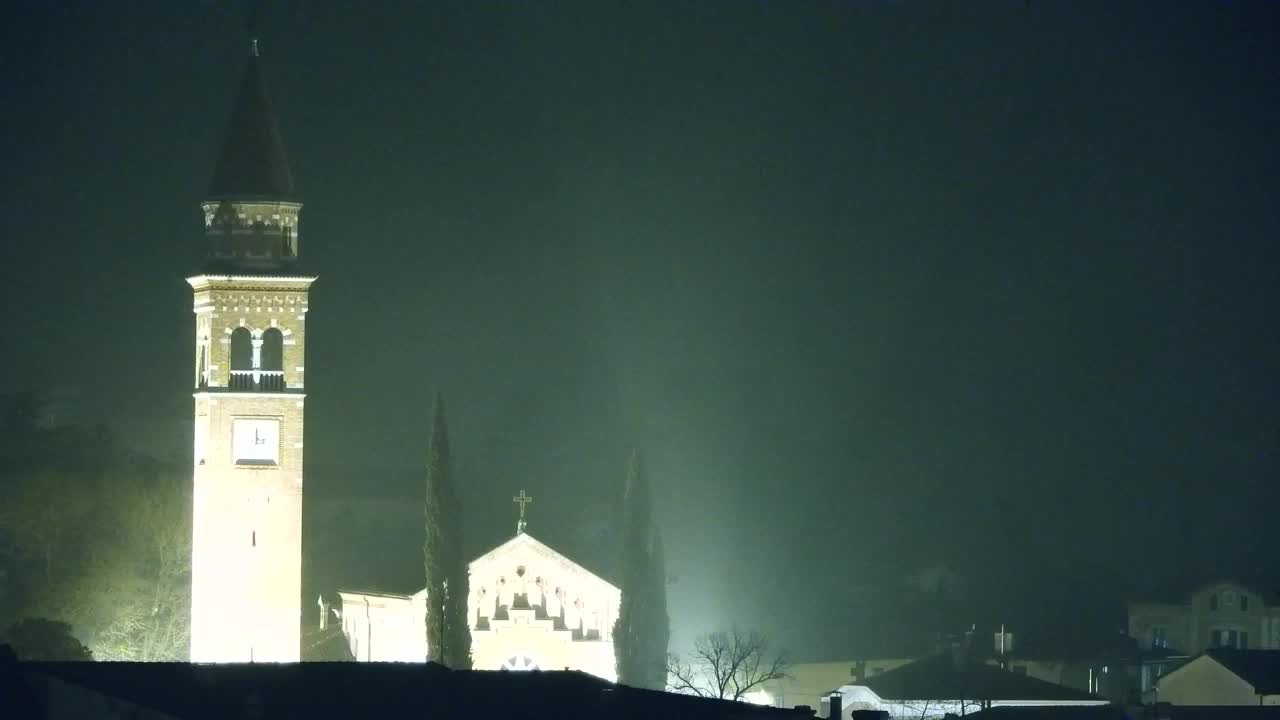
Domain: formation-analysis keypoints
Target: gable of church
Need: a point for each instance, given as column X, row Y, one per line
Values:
column 524, row 574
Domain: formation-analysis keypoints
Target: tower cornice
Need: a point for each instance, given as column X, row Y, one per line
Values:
column 250, row 282
column 290, row 394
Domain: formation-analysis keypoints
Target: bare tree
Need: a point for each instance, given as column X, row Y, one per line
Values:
column 140, row 588
column 727, row 665
column 918, row 709
column 932, row 709
column 108, row 553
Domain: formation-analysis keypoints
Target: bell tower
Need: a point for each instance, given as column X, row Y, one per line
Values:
column 251, row 310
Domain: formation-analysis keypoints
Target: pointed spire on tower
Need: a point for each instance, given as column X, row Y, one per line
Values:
column 252, row 163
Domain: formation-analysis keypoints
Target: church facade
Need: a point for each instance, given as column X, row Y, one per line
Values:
column 251, row 306
column 530, row 608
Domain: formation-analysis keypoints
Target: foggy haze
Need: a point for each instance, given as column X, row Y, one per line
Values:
column 878, row 287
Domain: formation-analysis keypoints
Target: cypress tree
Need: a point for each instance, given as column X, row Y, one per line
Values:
column 448, row 635
column 641, row 631
column 457, row 632
column 661, row 621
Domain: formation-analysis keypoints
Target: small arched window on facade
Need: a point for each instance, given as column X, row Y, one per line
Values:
column 272, row 359
column 241, row 359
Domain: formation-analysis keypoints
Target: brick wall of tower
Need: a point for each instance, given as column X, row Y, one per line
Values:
column 224, row 306
column 247, row 519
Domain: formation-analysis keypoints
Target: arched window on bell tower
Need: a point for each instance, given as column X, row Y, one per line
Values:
column 272, row 377
column 241, row 359
column 202, row 368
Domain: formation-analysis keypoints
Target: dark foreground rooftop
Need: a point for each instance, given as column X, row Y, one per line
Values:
column 338, row 690
column 938, row 677
column 1120, row 712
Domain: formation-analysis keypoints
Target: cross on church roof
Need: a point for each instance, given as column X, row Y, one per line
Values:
column 522, row 499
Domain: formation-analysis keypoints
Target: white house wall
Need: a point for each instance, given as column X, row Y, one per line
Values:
column 384, row 628
column 1205, row 681
column 861, row 697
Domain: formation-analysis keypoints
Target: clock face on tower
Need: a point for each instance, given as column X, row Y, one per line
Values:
column 256, row 441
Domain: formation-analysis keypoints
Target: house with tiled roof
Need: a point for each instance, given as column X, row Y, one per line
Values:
column 1162, row 711
column 1223, row 676
column 1223, row 613
column 940, row 684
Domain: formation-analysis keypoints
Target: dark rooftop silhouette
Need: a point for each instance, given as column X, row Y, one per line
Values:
column 938, row 678
column 343, row 689
column 1121, row 712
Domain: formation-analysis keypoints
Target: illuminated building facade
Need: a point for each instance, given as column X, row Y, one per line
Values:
column 530, row 608
column 250, row 307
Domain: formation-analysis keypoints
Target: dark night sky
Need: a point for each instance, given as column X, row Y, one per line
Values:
column 878, row 286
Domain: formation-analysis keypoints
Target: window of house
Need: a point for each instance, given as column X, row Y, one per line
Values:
column 1229, row 598
column 1159, row 637
column 1213, row 602
column 1150, row 674
column 1230, row 638
column 1244, row 603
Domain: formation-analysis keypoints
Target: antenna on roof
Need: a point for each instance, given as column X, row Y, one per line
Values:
column 251, row 27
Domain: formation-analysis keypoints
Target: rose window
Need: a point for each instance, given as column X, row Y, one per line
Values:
column 520, row 663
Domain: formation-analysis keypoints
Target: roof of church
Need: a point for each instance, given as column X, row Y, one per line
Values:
column 252, row 162
column 347, row 689
column 938, row 677
column 402, row 591
column 524, row 538
column 400, row 588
